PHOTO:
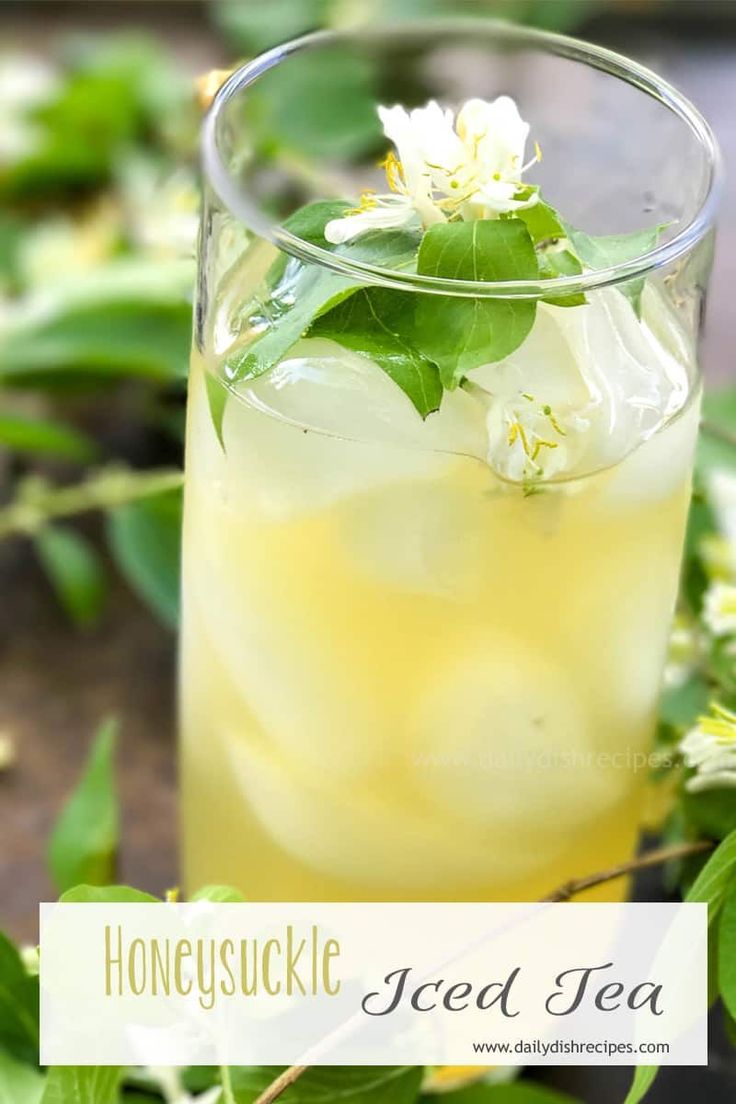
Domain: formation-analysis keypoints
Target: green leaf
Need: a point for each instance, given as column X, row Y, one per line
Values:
column 727, row 951
column 76, row 137
column 459, row 334
column 554, row 256
column 19, row 1082
column 542, row 221
column 84, row 842
column 129, row 318
column 18, row 1005
column 713, row 966
column 197, row 1079
column 308, row 223
column 701, row 521
column 295, row 106
column 717, row 441
column 557, row 260
column 722, row 668
column 43, row 438
column 714, row 879
column 729, row 1027
column 107, row 895
column 116, row 90
column 374, row 322
column 145, row 539
column 612, row 249
column 216, row 400
column 75, row 572
column 644, row 1078
column 616, row 249
column 314, row 291
column 225, row 894
column 712, row 813
column 12, row 233
column 326, row 1084
column 681, row 705
column 257, row 27
column 82, row 1085
column 520, row 1092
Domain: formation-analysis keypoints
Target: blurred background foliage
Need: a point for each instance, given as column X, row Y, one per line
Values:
column 98, row 214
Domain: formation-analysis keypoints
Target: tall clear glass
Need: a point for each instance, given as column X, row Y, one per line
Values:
column 408, row 672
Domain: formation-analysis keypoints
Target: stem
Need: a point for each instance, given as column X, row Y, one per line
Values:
column 281, row 1084
column 37, row 502
column 228, row 1095
column 650, row 858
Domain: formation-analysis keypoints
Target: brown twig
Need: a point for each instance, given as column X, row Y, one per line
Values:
column 281, row 1084
column 643, row 862
column 570, row 889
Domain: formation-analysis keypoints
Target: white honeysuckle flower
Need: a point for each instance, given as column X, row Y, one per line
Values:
column 710, row 749
column 718, row 554
column 494, row 134
column 26, row 82
column 718, row 550
column 682, row 654
column 389, row 212
column 31, row 959
column 471, row 168
column 161, row 207
column 61, row 247
column 527, row 440
column 719, row 608
column 425, row 142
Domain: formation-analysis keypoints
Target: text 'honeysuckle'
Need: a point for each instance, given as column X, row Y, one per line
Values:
column 444, row 168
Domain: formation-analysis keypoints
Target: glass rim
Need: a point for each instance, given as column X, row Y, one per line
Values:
column 238, row 202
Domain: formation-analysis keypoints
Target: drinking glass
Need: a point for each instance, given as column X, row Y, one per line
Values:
column 409, row 672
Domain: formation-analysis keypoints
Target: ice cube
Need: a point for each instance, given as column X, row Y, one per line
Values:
column 365, row 836
column 323, row 386
column 305, row 689
column 501, row 742
column 425, row 537
column 656, row 468
column 327, row 423
column 586, row 387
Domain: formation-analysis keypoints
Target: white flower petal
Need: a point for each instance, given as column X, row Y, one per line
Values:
column 710, row 750
column 390, row 213
column 719, row 609
column 700, row 782
column 498, row 196
column 496, row 134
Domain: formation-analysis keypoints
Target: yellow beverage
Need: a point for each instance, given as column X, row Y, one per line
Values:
column 407, row 674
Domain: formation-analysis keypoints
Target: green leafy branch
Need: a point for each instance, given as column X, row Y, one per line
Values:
column 37, row 502
column 143, row 523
